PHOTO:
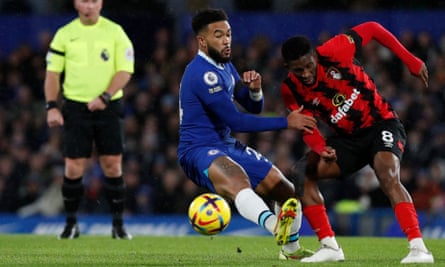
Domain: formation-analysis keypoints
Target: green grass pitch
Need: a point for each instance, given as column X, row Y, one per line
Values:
column 42, row 250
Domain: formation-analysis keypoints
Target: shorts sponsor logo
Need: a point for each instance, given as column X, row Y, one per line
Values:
column 343, row 105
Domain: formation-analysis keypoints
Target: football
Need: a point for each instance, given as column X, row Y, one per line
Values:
column 209, row 214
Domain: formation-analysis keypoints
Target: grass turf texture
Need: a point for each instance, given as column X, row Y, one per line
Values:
column 38, row 250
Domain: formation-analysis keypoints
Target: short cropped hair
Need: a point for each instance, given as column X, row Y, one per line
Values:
column 296, row 47
column 206, row 17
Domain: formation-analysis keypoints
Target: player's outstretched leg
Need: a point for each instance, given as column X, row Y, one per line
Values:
column 296, row 255
column 292, row 250
column 285, row 219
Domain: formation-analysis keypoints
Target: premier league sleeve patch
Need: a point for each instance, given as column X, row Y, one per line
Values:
column 129, row 54
column 210, row 78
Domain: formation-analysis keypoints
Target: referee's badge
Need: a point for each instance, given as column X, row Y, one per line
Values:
column 210, row 78
column 105, row 55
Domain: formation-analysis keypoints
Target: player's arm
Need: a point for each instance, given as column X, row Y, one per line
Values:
column 242, row 122
column 313, row 139
column 252, row 101
column 248, row 92
column 210, row 90
column 373, row 30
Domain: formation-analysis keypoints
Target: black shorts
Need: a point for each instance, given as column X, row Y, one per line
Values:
column 357, row 150
column 84, row 129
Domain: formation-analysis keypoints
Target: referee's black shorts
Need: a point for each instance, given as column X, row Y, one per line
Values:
column 84, row 129
column 357, row 150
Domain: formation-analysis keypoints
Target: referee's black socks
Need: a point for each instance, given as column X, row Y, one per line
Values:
column 115, row 194
column 72, row 192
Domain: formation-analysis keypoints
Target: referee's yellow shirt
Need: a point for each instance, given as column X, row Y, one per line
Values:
column 90, row 56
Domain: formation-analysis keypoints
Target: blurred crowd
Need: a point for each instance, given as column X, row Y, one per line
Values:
column 174, row 7
column 31, row 164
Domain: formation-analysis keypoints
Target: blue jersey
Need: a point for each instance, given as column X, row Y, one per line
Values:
column 206, row 108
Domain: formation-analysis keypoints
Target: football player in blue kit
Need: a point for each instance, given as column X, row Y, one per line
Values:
column 215, row 160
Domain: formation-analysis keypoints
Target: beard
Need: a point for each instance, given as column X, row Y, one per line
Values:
column 215, row 55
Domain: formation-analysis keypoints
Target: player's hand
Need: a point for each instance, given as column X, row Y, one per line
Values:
column 96, row 104
column 328, row 154
column 252, row 79
column 296, row 120
column 54, row 118
column 423, row 75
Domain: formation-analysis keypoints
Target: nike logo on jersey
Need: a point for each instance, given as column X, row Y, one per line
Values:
column 73, row 39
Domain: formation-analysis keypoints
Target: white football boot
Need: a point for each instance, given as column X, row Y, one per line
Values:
column 417, row 255
column 326, row 254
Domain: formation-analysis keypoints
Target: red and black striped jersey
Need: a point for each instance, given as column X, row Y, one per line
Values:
column 344, row 96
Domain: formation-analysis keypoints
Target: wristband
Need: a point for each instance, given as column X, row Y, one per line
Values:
column 105, row 97
column 51, row 104
column 256, row 95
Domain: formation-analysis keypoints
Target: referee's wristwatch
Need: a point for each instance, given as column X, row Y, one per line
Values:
column 105, row 97
column 51, row 104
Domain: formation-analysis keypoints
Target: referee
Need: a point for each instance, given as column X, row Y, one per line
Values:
column 96, row 59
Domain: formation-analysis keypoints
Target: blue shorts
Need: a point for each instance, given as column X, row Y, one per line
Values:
column 196, row 163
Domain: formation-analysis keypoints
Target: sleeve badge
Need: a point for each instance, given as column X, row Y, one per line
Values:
column 129, row 54
column 210, row 78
